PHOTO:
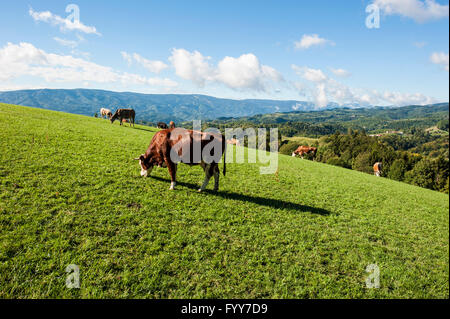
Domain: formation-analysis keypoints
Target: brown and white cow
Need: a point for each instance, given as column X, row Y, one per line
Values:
column 234, row 141
column 121, row 114
column 105, row 112
column 302, row 150
column 377, row 169
column 172, row 146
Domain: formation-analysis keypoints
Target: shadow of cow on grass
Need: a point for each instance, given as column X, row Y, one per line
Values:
column 263, row 201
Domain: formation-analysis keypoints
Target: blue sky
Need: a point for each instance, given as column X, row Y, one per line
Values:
column 320, row 51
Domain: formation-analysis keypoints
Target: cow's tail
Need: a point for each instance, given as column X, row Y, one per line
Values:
column 225, row 159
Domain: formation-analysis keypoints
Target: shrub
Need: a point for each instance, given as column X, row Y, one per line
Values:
column 288, row 148
column 363, row 163
column 337, row 161
column 422, row 174
column 397, row 170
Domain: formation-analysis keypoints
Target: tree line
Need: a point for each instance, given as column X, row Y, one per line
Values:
column 359, row 151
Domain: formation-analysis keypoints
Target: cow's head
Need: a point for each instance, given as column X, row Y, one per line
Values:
column 114, row 117
column 146, row 165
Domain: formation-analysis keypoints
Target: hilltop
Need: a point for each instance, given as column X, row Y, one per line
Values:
column 70, row 193
column 322, row 122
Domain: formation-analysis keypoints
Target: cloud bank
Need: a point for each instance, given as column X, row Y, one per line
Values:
column 418, row 10
column 242, row 73
column 24, row 59
column 326, row 90
column 64, row 24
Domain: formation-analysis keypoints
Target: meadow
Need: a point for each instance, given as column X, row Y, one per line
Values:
column 71, row 193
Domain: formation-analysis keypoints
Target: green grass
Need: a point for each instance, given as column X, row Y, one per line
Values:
column 70, row 193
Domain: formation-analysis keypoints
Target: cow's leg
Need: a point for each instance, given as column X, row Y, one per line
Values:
column 216, row 177
column 173, row 173
column 206, row 168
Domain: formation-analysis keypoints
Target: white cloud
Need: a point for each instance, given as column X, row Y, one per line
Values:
column 64, row 24
column 127, row 57
column 308, row 41
column 420, row 11
column 300, row 87
column 24, row 59
column 329, row 90
column 440, row 58
column 244, row 72
column 296, row 107
column 321, row 96
column 313, row 75
column 397, row 98
column 192, row 66
column 152, row 66
column 340, row 72
column 67, row 43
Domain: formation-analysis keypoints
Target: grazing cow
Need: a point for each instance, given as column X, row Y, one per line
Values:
column 171, row 124
column 105, row 112
column 162, row 125
column 171, row 146
column 302, row 150
column 234, row 141
column 121, row 114
column 377, row 169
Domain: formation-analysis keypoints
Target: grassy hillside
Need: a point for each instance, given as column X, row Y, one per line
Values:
column 70, row 193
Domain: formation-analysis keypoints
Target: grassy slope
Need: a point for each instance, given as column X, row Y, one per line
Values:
column 70, row 192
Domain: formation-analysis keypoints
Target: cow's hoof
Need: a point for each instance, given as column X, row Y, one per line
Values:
column 171, row 188
column 200, row 190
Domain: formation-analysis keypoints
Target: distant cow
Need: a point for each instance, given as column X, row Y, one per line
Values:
column 377, row 169
column 105, row 112
column 162, row 125
column 171, row 146
column 302, row 150
column 121, row 114
column 234, row 141
column 171, row 124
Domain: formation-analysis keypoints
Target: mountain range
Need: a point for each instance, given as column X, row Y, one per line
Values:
column 149, row 107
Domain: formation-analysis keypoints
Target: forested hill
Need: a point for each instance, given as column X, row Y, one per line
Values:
column 318, row 123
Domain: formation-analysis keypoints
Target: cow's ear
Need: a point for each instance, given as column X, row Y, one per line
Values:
column 142, row 158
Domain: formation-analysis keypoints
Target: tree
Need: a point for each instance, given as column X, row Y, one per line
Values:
column 363, row 163
column 422, row 174
column 397, row 170
column 442, row 174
